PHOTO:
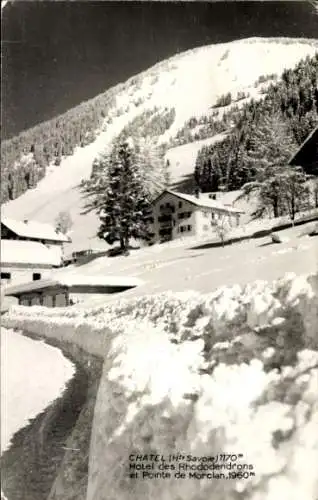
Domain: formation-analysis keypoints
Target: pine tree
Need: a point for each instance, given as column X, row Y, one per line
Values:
column 151, row 166
column 315, row 192
column 270, row 146
column 208, row 170
column 167, row 174
column 284, row 191
column 117, row 192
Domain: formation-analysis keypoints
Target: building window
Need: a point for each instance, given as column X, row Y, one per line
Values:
column 205, row 214
column 184, row 215
column 36, row 276
column 180, row 204
column 6, row 276
column 184, row 229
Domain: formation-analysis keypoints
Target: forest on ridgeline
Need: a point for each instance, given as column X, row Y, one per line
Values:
column 291, row 100
column 25, row 158
column 275, row 125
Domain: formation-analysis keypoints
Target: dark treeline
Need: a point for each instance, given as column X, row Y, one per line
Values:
column 151, row 124
column 25, row 157
column 229, row 164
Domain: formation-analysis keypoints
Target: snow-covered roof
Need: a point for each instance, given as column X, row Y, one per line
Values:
column 201, row 201
column 27, row 252
column 75, row 280
column 34, row 229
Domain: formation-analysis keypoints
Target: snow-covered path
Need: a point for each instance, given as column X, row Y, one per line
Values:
column 33, row 374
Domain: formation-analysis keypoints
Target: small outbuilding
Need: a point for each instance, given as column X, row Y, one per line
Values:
column 66, row 290
column 307, row 154
column 23, row 261
column 30, row 230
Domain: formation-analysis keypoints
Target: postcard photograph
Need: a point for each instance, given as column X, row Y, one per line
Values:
column 159, row 251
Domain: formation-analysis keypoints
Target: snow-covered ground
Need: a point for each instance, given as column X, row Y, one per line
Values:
column 190, row 83
column 231, row 372
column 190, row 264
column 33, row 374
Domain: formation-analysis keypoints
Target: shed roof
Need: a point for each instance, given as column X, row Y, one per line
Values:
column 28, row 252
column 74, row 280
column 202, row 201
column 34, row 229
column 307, row 154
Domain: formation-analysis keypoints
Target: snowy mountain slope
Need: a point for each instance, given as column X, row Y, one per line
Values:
column 190, row 83
column 182, row 158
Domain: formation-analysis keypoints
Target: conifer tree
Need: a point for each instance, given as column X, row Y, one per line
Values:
column 117, row 192
column 270, row 146
column 279, row 188
column 152, row 167
column 315, row 192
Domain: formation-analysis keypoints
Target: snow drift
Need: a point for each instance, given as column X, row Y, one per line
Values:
column 18, row 381
column 234, row 371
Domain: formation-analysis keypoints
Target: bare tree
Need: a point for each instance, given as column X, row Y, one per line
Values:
column 223, row 227
column 63, row 222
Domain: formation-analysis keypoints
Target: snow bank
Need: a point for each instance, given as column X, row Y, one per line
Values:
column 26, row 368
column 232, row 372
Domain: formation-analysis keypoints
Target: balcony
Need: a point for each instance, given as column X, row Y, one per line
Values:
column 167, row 209
column 165, row 218
column 166, row 225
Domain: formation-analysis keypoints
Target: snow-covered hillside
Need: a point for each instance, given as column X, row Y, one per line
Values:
column 182, row 158
column 190, row 83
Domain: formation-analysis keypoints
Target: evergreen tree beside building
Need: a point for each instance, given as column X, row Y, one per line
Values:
column 116, row 191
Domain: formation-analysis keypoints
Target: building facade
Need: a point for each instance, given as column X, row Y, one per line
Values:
column 176, row 215
column 23, row 261
column 67, row 290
